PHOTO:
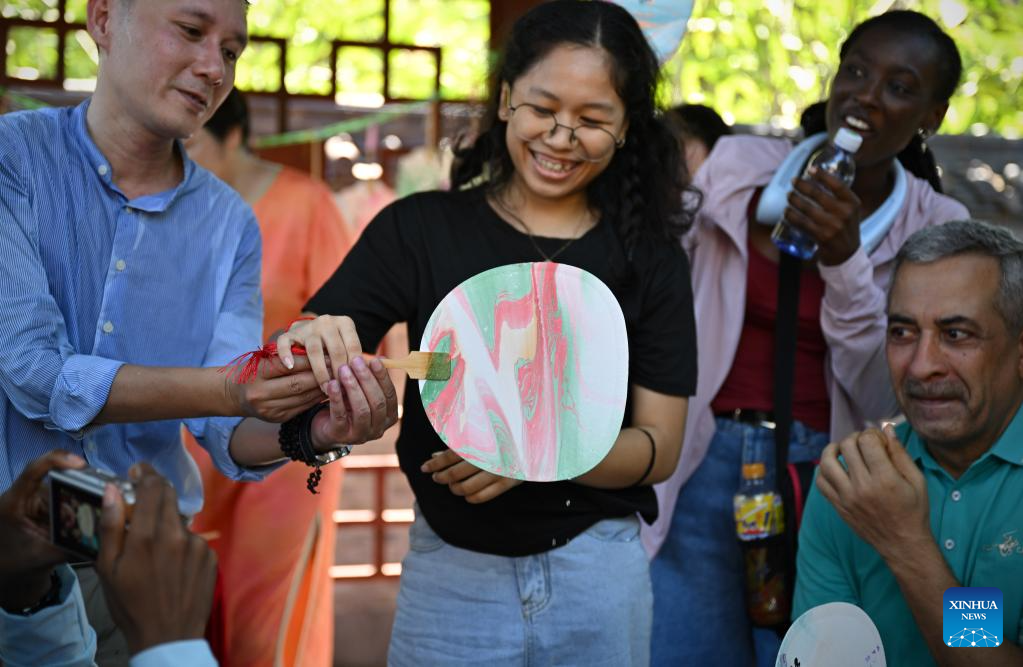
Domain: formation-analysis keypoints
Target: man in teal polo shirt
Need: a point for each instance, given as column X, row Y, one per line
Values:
column 889, row 528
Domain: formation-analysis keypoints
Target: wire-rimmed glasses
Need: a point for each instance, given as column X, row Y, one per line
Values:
column 593, row 143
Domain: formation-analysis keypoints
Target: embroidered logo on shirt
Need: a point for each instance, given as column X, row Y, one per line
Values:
column 972, row 617
column 1009, row 545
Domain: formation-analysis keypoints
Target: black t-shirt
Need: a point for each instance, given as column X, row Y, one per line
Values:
column 420, row 248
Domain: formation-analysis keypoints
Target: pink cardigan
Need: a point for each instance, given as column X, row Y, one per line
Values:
column 852, row 313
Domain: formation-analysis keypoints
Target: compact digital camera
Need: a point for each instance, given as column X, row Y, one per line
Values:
column 76, row 505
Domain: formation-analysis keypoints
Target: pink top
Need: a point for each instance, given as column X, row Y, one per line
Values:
column 852, row 313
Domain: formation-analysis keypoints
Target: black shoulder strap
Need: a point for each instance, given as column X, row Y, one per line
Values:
column 789, row 269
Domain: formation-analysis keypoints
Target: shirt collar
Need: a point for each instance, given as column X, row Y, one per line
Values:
column 1009, row 446
column 152, row 203
column 915, row 447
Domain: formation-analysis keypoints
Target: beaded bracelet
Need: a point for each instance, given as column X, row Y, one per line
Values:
column 296, row 441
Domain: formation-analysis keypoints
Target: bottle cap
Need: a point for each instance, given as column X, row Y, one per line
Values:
column 847, row 140
column 753, row 471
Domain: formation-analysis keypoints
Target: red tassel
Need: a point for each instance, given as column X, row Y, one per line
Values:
column 250, row 361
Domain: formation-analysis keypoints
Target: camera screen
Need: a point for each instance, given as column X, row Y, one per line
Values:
column 74, row 519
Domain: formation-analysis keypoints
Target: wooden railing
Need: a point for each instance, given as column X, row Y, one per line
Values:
column 379, row 517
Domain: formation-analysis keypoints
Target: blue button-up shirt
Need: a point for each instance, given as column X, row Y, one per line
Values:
column 91, row 280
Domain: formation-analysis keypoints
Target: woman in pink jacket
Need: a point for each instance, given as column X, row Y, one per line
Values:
column 896, row 75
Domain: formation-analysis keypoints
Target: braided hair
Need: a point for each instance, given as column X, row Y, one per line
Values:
column 641, row 190
column 916, row 157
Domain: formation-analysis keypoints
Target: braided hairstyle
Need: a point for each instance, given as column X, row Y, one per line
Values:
column 641, row 190
column 916, row 157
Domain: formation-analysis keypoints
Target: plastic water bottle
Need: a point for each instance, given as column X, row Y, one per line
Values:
column 760, row 524
column 836, row 157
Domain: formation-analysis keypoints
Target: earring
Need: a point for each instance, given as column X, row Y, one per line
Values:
column 924, row 135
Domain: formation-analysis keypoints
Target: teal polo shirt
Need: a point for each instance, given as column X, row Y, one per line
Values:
column 976, row 520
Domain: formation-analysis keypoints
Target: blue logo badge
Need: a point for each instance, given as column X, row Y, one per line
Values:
column 973, row 617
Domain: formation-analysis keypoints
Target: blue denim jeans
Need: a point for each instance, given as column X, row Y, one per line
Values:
column 586, row 603
column 699, row 603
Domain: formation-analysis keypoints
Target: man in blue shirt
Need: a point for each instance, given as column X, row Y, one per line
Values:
column 899, row 517
column 128, row 275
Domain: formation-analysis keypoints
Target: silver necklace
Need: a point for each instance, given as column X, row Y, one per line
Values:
column 532, row 239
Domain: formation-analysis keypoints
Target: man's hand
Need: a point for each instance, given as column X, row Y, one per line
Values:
column 276, row 394
column 27, row 557
column 465, row 479
column 157, row 576
column 363, row 405
column 882, row 495
column 829, row 211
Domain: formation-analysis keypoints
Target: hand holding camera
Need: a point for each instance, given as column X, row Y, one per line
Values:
column 157, row 576
column 27, row 556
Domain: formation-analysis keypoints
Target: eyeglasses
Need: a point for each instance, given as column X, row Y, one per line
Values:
column 593, row 143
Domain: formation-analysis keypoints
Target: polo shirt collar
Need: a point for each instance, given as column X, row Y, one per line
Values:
column 918, row 451
column 1009, row 446
column 154, row 203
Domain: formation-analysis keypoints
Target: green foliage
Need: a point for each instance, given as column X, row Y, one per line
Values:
column 754, row 60
column 360, row 71
column 37, row 56
column 460, row 27
column 74, row 11
column 259, row 69
column 80, row 56
column 308, row 27
column 761, row 61
column 35, row 10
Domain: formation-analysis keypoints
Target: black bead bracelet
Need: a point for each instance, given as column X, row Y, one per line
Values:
column 296, row 441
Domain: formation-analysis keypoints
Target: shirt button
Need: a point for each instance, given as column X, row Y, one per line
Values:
column 108, row 327
column 120, row 265
column 102, row 169
column 950, row 544
column 568, row 503
column 956, row 495
column 90, row 446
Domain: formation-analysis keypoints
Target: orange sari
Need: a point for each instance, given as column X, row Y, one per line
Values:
column 274, row 540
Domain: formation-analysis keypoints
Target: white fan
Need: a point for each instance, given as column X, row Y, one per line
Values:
column 836, row 634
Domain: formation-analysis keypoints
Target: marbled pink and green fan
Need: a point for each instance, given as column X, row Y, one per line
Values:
column 539, row 371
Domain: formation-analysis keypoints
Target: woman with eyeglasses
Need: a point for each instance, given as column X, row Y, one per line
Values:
column 572, row 166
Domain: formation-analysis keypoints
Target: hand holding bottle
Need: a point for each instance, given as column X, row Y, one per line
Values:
column 822, row 207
